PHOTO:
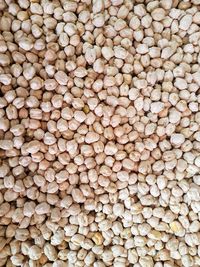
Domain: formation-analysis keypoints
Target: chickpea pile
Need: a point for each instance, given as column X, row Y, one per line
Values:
column 100, row 133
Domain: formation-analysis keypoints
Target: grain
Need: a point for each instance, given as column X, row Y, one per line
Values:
column 99, row 133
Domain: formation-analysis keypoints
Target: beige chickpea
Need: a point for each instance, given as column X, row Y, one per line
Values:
column 4, row 60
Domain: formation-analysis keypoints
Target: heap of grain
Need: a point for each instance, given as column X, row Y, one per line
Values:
column 100, row 133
